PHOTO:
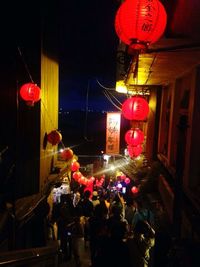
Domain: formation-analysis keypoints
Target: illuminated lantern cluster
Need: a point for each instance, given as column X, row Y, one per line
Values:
column 134, row 137
column 67, row 154
column 54, row 137
column 100, row 182
column 135, row 108
column 78, row 177
column 139, row 23
column 75, row 166
column 30, row 93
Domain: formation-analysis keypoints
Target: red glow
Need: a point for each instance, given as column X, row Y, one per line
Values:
column 135, row 108
column 134, row 190
column 30, row 92
column 127, row 180
column 134, row 151
column 75, row 166
column 67, row 154
column 54, row 137
column 140, row 22
column 134, row 137
column 77, row 175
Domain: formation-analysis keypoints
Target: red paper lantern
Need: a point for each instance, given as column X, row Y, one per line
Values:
column 139, row 23
column 134, row 137
column 134, row 151
column 67, row 154
column 75, row 166
column 135, row 108
column 30, row 92
column 54, row 137
column 77, row 175
column 134, row 190
column 127, row 180
column 123, row 177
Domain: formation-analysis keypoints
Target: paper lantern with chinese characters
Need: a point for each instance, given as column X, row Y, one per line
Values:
column 54, row 137
column 30, row 92
column 134, row 137
column 135, row 108
column 75, row 166
column 67, row 154
column 139, row 23
column 134, row 151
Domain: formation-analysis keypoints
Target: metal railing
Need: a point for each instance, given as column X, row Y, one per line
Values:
column 40, row 257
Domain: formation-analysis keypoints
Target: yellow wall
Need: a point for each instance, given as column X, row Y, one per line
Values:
column 49, row 113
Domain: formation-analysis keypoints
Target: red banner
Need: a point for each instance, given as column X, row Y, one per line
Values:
column 113, row 133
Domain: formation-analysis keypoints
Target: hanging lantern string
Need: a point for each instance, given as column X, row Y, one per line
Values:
column 51, row 122
column 25, row 65
column 63, row 145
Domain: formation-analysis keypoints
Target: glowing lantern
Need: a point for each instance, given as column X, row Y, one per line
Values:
column 92, row 178
column 134, row 151
column 54, row 137
column 83, row 180
column 75, row 166
column 127, row 180
column 30, row 92
column 67, row 154
column 77, row 175
column 135, row 108
column 134, row 190
column 139, row 23
column 123, row 177
column 134, row 137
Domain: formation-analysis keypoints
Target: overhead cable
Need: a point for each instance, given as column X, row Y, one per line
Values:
column 109, row 99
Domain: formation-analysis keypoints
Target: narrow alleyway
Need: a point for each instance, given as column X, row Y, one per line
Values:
column 163, row 237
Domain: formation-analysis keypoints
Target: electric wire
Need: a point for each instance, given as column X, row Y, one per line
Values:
column 104, row 87
column 24, row 62
column 113, row 96
column 109, row 99
column 106, row 92
column 86, row 113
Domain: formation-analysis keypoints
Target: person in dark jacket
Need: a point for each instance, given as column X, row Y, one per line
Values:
column 86, row 209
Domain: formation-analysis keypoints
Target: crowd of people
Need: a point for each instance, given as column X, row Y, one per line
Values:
column 118, row 230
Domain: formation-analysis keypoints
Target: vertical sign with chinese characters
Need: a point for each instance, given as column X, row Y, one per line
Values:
column 113, row 133
column 148, row 12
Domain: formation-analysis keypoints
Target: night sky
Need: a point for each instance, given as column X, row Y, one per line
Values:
column 87, row 53
column 88, row 44
column 88, row 50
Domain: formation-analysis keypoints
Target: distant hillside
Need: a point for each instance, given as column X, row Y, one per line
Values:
column 86, row 133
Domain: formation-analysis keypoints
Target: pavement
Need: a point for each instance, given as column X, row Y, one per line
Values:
column 84, row 253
